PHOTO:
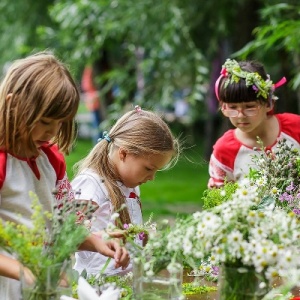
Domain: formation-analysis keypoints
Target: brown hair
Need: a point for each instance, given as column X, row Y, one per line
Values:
column 237, row 92
column 140, row 132
column 40, row 86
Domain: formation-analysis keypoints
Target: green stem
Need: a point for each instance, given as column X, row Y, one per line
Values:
column 105, row 266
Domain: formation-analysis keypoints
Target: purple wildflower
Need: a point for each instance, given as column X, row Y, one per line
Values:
column 296, row 211
column 290, row 187
column 141, row 236
column 215, row 270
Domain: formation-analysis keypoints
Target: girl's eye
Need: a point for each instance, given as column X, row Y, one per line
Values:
column 148, row 169
column 44, row 122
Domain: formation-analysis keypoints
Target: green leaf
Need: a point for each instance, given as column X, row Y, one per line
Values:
column 266, row 203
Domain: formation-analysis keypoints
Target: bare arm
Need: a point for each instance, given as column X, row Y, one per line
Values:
column 11, row 268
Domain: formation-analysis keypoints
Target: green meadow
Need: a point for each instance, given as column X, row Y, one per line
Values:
column 174, row 192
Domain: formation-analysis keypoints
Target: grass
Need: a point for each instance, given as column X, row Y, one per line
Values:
column 174, row 192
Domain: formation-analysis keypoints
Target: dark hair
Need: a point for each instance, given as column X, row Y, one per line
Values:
column 238, row 92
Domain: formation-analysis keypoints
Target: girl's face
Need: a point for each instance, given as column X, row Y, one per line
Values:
column 135, row 170
column 45, row 130
column 246, row 116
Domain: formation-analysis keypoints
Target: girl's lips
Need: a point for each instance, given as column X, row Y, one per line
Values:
column 42, row 143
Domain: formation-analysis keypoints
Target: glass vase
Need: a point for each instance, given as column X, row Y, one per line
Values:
column 241, row 283
column 165, row 285
column 51, row 282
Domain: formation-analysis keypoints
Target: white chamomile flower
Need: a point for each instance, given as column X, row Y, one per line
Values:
column 149, row 273
column 223, row 193
column 261, row 181
column 87, row 223
column 110, row 227
column 114, row 216
column 275, row 190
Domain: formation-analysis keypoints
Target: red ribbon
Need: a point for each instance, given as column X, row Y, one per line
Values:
column 280, row 82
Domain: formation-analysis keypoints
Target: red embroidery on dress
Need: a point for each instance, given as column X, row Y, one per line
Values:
column 64, row 189
column 133, row 195
column 33, row 166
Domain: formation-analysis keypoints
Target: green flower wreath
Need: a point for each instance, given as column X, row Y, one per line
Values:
column 261, row 86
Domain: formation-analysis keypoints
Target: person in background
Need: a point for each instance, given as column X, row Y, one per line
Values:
column 38, row 103
column 246, row 96
column 138, row 145
column 92, row 101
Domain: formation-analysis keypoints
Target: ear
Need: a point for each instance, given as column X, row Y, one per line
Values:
column 9, row 96
column 270, row 105
column 122, row 153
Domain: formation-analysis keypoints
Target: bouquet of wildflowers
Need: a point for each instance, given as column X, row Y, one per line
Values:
column 237, row 234
column 54, row 237
column 134, row 235
column 277, row 175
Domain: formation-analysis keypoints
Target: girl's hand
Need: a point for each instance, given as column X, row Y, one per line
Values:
column 110, row 248
column 113, row 234
column 121, row 254
column 28, row 275
column 117, row 234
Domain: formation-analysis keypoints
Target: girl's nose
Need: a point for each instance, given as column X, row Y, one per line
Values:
column 151, row 177
column 53, row 130
column 240, row 112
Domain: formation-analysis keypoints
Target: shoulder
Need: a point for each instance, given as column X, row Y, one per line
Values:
column 226, row 149
column 89, row 185
column 227, row 142
column 288, row 118
column 290, row 124
column 57, row 160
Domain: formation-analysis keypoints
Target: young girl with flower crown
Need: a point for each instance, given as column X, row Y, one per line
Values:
column 38, row 102
column 129, row 155
column 246, row 96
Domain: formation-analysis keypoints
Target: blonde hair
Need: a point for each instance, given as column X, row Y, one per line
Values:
column 139, row 132
column 39, row 86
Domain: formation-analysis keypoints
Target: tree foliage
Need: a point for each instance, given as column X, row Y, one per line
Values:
column 152, row 50
column 279, row 32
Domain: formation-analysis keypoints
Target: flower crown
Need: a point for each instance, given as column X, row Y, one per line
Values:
column 262, row 87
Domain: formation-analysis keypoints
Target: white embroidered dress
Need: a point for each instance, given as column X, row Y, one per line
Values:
column 18, row 177
column 92, row 187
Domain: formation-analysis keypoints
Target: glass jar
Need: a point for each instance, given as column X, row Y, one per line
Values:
column 166, row 284
column 241, row 283
column 50, row 282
